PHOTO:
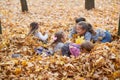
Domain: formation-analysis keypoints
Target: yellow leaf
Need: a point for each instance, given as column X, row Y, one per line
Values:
column 79, row 40
column 17, row 71
column 46, row 67
column 24, row 63
column 116, row 74
column 15, row 62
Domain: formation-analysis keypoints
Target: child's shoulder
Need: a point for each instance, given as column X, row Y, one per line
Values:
column 73, row 28
column 60, row 44
column 74, row 45
column 100, row 30
column 37, row 33
column 88, row 33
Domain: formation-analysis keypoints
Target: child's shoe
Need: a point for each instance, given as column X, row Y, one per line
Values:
column 39, row 50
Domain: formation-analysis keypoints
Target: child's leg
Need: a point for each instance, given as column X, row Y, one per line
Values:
column 39, row 50
column 107, row 38
column 72, row 32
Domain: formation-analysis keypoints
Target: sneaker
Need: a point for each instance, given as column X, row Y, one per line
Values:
column 39, row 50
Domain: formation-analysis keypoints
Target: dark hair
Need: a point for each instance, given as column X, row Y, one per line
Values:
column 34, row 27
column 59, row 35
column 88, row 46
column 83, row 25
column 90, row 29
column 87, row 26
column 80, row 19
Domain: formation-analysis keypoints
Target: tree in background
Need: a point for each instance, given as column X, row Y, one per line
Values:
column 24, row 5
column 119, row 26
column 0, row 27
column 89, row 4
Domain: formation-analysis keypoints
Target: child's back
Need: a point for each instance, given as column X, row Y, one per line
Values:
column 58, row 46
column 41, row 36
column 101, row 35
column 58, row 42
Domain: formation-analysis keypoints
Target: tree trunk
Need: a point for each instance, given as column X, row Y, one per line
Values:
column 24, row 5
column 0, row 28
column 119, row 26
column 89, row 4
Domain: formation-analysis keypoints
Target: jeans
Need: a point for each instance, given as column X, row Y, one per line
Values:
column 107, row 38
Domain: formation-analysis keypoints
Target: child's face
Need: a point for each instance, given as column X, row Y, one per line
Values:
column 79, row 30
column 83, row 50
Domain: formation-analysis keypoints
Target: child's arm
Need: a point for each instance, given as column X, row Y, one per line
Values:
column 72, row 31
column 41, row 36
column 88, row 36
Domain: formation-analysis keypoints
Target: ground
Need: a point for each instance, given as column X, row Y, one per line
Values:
column 54, row 15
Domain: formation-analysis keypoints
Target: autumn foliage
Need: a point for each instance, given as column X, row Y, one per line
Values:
column 103, row 62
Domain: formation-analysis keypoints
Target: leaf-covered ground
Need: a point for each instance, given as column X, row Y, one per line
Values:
column 103, row 63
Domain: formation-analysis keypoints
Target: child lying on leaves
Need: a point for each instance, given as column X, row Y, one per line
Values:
column 57, row 44
column 75, row 49
column 86, row 30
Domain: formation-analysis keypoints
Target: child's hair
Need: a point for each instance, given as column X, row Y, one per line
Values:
column 34, row 27
column 58, row 37
column 87, row 26
column 88, row 46
column 80, row 19
column 90, row 29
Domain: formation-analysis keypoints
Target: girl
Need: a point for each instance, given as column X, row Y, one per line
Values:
column 86, row 30
column 75, row 49
column 34, row 30
column 57, row 44
column 58, row 41
column 73, row 30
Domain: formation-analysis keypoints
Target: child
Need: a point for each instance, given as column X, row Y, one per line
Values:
column 57, row 44
column 75, row 49
column 86, row 30
column 34, row 30
column 59, row 39
column 73, row 30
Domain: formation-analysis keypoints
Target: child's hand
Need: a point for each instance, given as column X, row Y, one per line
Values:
column 98, row 41
column 100, row 38
column 69, row 41
column 71, row 47
column 47, row 31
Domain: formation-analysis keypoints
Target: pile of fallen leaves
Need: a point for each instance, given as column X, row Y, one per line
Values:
column 103, row 63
